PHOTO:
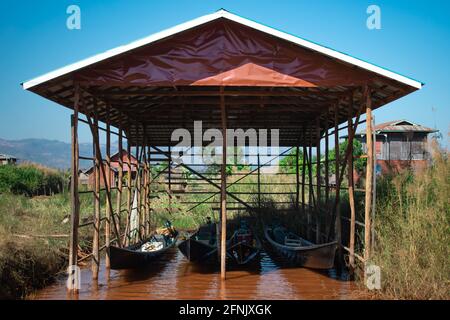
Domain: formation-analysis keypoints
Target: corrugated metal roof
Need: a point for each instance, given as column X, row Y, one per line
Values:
column 210, row 17
column 402, row 126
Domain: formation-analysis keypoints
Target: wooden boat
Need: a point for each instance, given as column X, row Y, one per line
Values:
column 244, row 246
column 299, row 251
column 201, row 246
column 140, row 254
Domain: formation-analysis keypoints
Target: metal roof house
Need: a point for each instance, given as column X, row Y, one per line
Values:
column 7, row 159
column 399, row 144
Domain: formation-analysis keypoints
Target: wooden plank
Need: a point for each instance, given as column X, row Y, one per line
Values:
column 223, row 191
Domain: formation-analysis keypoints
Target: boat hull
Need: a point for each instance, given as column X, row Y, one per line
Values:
column 129, row 258
column 197, row 251
column 315, row 256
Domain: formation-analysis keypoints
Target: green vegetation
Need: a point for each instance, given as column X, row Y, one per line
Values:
column 413, row 232
column 288, row 163
column 30, row 179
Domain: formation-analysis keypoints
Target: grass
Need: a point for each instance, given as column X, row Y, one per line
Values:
column 412, row 228
column 413, row 232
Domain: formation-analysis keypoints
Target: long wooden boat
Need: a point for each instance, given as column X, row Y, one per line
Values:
column 142, row 253
column 299, row 251
column 200, row 246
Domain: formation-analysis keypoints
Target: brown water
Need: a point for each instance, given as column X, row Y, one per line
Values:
column 175, row 278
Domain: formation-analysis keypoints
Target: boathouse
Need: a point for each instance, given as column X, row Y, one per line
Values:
column 228, row 72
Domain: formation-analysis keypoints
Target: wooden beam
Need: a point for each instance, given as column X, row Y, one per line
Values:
column 223, row 191
column 96, row 238
column 337, row 222
column 120, row 177
column 108, row 210
column 351, row 196
column 369, row 175
column 318, row 183
column 75, row 206
column 297, row 178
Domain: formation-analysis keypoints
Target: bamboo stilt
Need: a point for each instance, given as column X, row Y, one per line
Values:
column 297, row 178
column 75, row 207
column 119, row 178
column 223, row 193
column 351, row 196
column 369, row 175
column 129, row 194
column 96, row 238
column 108, row 189
column 318, row 183
column 338, row 221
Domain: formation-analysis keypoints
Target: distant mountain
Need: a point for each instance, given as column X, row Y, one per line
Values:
column 51, row 153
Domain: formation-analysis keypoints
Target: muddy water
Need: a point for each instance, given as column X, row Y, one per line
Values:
column 175, row 278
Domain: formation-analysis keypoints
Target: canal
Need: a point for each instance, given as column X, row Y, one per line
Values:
column 173, row 277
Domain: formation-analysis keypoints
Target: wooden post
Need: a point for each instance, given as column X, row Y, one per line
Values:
column 129, row 194
column 318, row 182
column 223, row 189
column 108, row 189
column 138, row 191
column 369, row 174
column 310, row 183
column 75, row 206
column 337, row 222
column 120, row 178
column 259, row 182
column 297, row 179
column 327, row 170
column 146, row 195
column 351, row 196
column 149, row 190
column 304, row 177
column 96, row 239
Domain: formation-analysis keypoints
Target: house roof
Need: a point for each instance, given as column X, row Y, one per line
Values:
column 399, row 126
column 7, row 156
column 221, row 14
column 269, row 80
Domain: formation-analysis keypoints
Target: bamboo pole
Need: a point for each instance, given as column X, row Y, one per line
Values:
column 75, row 206
column 304, row 175
column 108, row 189
column 318, row 183
column 369, row 174
column 120, row 178
column 129, row 191
column 259, row 182
column 338, row 222
column 223, row 189
column 297, row 178
column 138, row 191
column 310, row 188
column 96, row 239
column 351, row 196
column 327, row 170
column 146, row 182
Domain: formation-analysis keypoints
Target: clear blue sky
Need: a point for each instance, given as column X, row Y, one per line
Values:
column 414, row 41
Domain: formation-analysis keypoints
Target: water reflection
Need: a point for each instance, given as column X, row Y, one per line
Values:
column 175, row 278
